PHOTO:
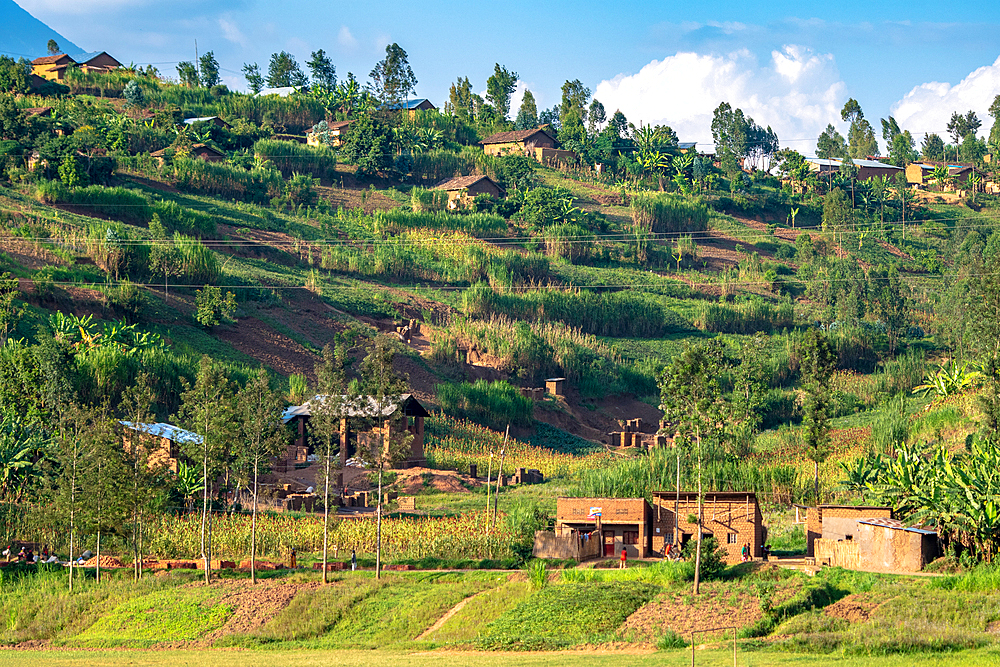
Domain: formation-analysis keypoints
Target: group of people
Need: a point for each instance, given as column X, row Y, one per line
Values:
column 27, row 555
column 765, row 551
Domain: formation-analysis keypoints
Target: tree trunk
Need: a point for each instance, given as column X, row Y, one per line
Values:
column 816, row 480
column 98, row 570
column 697, row 553
column 253, row 528
column 204, row 518
column 326, row 513
column 378, row 528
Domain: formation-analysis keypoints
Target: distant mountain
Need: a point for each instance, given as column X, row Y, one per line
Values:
column 21, row 34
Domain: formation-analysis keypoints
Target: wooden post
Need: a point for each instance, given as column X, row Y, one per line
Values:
column 496, row 496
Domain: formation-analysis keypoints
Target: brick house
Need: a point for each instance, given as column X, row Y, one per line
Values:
column 879, row 545
column 404, row 414
column 462, row 189
column 733, row 517
column 838, row 522
column 617, row 522
column 160, row 442
column 97, row 61
column 200, row 151
column 335, row 134
column 866, row 168
column 524, row 142
column 52, row 68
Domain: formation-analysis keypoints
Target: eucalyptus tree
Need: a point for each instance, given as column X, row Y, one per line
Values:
column 694, row 406
column 206, row 410
column 382, row 388
column 261, row 438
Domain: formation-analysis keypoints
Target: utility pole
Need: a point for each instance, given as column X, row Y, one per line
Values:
column 496, row 495
column 197, row 65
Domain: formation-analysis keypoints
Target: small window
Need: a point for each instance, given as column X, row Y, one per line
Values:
column 731, row 538
column 848, row 537
column 630, row 537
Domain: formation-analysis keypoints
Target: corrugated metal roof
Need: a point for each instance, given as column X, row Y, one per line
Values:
column 168, row 431
column 190, row 121
column 284, row 91
column 364, row 406
column 896, row 524
column 836, row 162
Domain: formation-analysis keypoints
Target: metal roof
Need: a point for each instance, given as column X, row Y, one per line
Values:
column 359, row 406
column 284, row 91
column 895, row 524
column 168, row 431
column 686, row 145
column 189, row 121
column 836, row 162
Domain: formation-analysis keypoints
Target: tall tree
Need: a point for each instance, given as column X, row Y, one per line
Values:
column 960, row 126
column 382, row 387
column 817, row 362
column 324, row 72
column 206, row 410
column 255, row 80
column 259, row 412
column 283, row 71
column 694, row 408
column 328, row 412
column 831, row 144
column 141, row 476
column 596, row 116
column 72, row 456
column 499, row 88
column 10, row 312
column 209, row 70
column 888, row 302
column 392, row 76
column 460, row 99
column 550, row 117
column 932, row 147
column 861, row 141
column 982, row 311
column 573, row 110
column 527, row 115
column 994, row 138
column 187, row 73
column 103, row 502
column 53, row 47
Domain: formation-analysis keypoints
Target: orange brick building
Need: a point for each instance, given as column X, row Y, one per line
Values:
column 838, row 522
column 617, row 522
column 733, row 517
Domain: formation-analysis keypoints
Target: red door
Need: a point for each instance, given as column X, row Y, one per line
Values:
column 609, row 543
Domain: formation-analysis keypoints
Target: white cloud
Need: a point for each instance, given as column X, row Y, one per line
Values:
column 928, row 107
column 232, row 32
column 345, row 38
column 798, row 93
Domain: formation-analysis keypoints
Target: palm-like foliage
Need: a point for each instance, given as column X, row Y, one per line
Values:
column 951, row 378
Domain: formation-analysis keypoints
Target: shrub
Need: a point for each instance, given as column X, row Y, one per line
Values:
column 428, row 201
column 567, row 241
column 176, row 218
column 669, row 640
column 668, row 213
column 538, row 575
column 493, row 404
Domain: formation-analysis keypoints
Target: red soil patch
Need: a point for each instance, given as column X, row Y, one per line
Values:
column 414, row 480
column 253, row 337
column 855, row 608
column 106, row 561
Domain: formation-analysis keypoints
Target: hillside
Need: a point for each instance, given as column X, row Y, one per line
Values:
column 807, row 340
column 22, row 35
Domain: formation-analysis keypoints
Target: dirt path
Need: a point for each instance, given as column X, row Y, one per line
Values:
column 448, row 614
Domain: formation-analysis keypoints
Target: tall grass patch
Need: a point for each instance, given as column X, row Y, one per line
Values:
column 748, row 317
column 668, row 213
column 290, row 157
column 493, row 404
column 395, row 221
column 613, row 314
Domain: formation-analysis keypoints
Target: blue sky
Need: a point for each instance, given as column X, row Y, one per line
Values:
column 790, row 65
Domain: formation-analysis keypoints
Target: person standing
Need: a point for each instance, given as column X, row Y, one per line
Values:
column 621, row 566
column 354, row 560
